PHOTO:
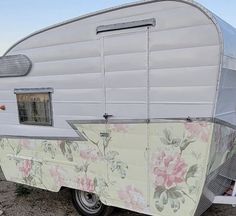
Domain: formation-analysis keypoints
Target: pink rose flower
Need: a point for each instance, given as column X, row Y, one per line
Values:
column 133, row 198
column 89, row 154
column 199, row 130
column 86, row 184
column 58, row 174
column 169, row 170
column 26, row 168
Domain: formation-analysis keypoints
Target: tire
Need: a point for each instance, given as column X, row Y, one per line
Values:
column 89, row 204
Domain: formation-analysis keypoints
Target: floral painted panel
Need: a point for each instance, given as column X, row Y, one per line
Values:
column 157, row 169
column 130, row 140
column 110, row 163
column 178, row 161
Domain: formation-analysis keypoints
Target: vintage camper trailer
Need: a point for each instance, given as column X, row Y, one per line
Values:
column 132, row 107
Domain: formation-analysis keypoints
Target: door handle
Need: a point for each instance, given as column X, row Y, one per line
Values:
column 107, row 116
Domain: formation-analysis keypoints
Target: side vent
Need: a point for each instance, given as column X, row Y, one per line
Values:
column 126, row 25
column 14, row 66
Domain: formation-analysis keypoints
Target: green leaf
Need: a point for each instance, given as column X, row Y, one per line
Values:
column 18, row 150
column 172, row 203
column 79, row 168
column 175, row 193
column 111, row 155
column 192, row 172
column 66, row 150
column 164, row 141
column 169, row 140
column 164, row 198
column 159, row 206
column 120, row 167
column 177, row 206
column 185, row 143
column 158, row 191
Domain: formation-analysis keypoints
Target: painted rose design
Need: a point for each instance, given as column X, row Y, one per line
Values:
column 58, row 173
column 199, row 130
column 26, row 168
column 169, row 169
column 171, row 173
column 133, row 198
column 86, row 184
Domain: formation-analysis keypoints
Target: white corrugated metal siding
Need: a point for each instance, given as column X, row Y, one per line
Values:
column 181, row 55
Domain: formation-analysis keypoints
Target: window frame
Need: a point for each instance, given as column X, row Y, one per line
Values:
column 32, row 91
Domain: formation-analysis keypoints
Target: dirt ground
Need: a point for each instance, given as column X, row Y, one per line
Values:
column 43, row 203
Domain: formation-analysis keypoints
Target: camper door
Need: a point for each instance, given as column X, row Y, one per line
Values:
column 125, row 64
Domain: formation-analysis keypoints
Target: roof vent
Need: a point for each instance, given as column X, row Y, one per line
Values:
column 126, row 25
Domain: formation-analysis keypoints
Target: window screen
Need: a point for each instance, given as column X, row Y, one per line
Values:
column 35, row 108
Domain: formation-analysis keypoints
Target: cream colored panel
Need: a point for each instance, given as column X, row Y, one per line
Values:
column 170, row 18
column 125, row 43
column 11, row 109
column 128, row 95
column 85, row 29
column 195, row 76
column 70, row 66
column 82, row 109
column 126, row 79
column 81, row 81
column 8, row 118
column 78, row 95
column 178, row 110
column 7, row 95
column 83, row 49
column 127, row 111
column 182, row 94
column 181, row 17
column 125, row 62
column 191, row 57
column 126, row 74
column 130, row 142
column 175, row 170
column 194, row 36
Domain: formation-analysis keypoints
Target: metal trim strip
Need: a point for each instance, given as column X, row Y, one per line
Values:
column 119, row 121
column 33, row 90
column 41, row 138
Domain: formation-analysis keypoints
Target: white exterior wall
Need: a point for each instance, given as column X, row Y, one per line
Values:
column 181, row 55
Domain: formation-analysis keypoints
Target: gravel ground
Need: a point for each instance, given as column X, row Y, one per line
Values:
column 43, row 203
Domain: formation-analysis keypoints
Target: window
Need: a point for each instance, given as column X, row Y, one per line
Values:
column 34, row 108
